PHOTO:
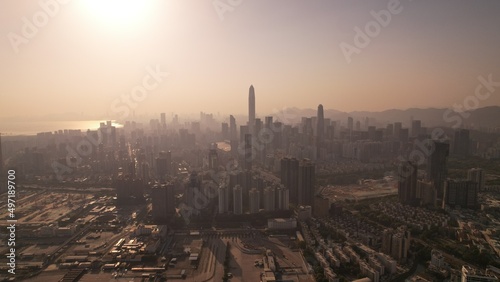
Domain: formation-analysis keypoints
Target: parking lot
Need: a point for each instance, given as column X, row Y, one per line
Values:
column 246, row 247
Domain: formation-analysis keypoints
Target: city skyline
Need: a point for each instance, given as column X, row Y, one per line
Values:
column 251, row 108
column 250, row 140
column 293, row 54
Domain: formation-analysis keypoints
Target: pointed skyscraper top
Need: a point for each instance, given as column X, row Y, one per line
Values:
column 320, row 112
column 321, row 123
column 251, row 109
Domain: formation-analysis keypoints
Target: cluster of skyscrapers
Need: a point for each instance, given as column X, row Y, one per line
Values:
column 436, row 189
column 237, row 178
column 396, row 243
column 297, row 182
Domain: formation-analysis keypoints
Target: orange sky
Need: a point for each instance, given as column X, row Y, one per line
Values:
column 88, row 55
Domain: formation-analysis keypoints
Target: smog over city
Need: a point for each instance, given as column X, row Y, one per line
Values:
column 238, row 140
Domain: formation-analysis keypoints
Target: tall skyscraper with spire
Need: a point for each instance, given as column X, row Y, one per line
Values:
column 321, row 123
column 251, row 110
column 320, row 130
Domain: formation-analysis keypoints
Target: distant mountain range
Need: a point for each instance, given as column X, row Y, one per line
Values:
column 481, row 117
column 430, row 117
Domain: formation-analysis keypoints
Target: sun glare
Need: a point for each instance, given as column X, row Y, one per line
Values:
column 118, row 13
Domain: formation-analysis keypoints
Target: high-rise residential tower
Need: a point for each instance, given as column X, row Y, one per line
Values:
column 232, row 128
column 460, row 193
column 254, row 199
column 237, row 200
column 223, row 192
column 397, row 130
column 163, row 163
column 307, row 182
column 476, row 175
column 320, row 130
column 290, row 178
column 213, row 157
column 407, row 183
column 269, row 199
column 283, row 198
column 437, row 170
column 248, row 153
column 163, row 202
column 163, row 119
column 416, row 127
column 350, row 124
column 461, row 143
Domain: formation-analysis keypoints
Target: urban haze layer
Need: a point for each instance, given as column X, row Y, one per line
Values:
column 279, row 198
column 133, row 146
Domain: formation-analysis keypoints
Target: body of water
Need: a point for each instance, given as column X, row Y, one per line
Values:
column 34, row 127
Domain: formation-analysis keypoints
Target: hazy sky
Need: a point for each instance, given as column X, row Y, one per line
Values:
column 88, row 53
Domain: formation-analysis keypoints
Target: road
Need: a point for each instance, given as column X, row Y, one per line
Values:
column 212, row 261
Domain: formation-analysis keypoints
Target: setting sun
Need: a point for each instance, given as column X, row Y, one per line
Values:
column 117, row 13
column 250, row 140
